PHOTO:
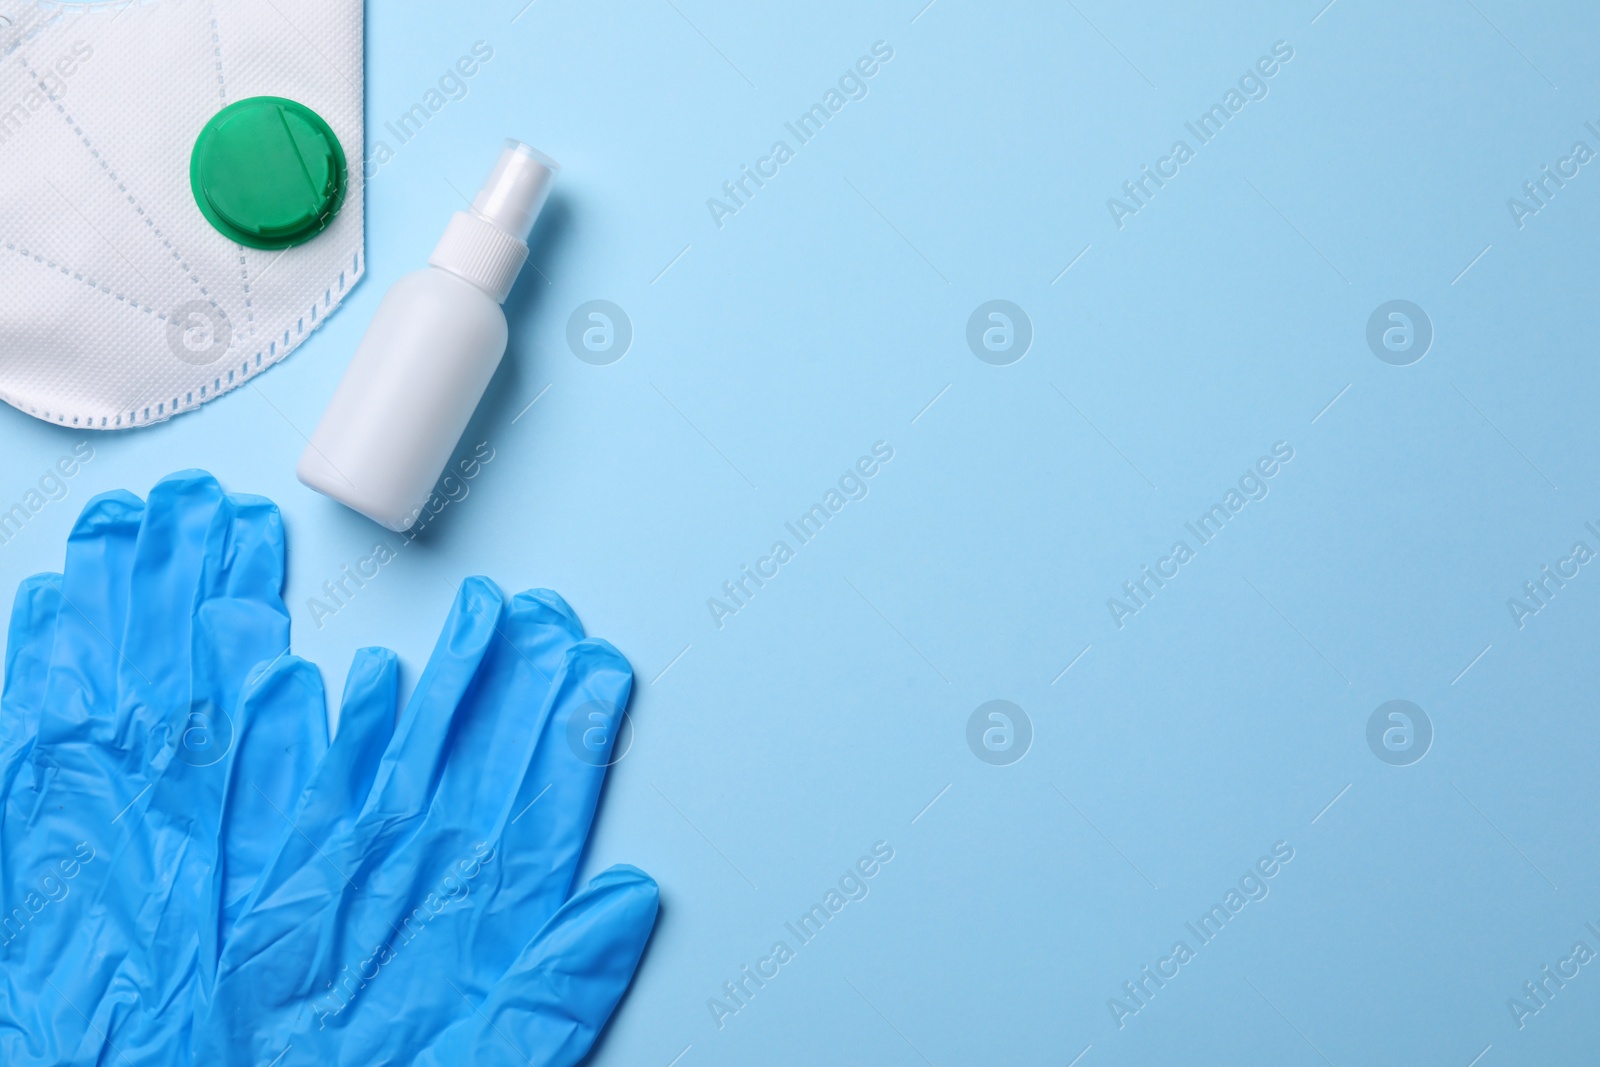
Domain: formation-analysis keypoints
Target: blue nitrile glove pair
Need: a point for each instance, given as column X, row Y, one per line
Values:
column 190, row 873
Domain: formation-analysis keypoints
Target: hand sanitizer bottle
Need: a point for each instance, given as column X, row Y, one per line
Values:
column 429, row 353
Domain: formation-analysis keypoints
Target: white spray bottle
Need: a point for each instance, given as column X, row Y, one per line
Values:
column 429, row 353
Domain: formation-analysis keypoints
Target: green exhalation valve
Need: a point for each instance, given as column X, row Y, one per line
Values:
column 268, row 172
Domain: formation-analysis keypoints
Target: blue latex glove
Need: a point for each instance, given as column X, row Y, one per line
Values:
column 421, row 912
column 126, row 710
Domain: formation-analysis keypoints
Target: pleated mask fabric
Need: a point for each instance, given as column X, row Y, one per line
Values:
column 120, row 304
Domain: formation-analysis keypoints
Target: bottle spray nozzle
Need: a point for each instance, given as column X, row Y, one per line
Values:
column 517, row 188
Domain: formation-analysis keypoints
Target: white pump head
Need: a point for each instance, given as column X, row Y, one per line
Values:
column 517, row 188
column 488, row 245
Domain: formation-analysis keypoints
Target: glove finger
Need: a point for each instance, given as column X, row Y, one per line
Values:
column 216, row 814
column 88, row 652
column 312, row 868
column 185, row 521
column 253, row 563
column 339, row 784
column 280, row 737
column 538, row 628
column 552, row 1002
column 28, row 642
column 496, row 729
column 239, row 625
column 548, row 607
column 409, row 773
column 544, row 829
column 216, row 607
column 240, row 618
column 33, row 627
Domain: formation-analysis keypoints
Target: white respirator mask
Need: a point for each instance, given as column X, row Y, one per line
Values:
column 180, row 197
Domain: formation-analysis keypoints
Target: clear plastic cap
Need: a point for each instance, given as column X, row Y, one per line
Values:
column 517, row 188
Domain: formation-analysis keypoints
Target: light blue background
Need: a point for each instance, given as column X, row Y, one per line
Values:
column 827, row 314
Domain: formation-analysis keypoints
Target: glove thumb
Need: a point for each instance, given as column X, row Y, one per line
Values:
column 553, row 1001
